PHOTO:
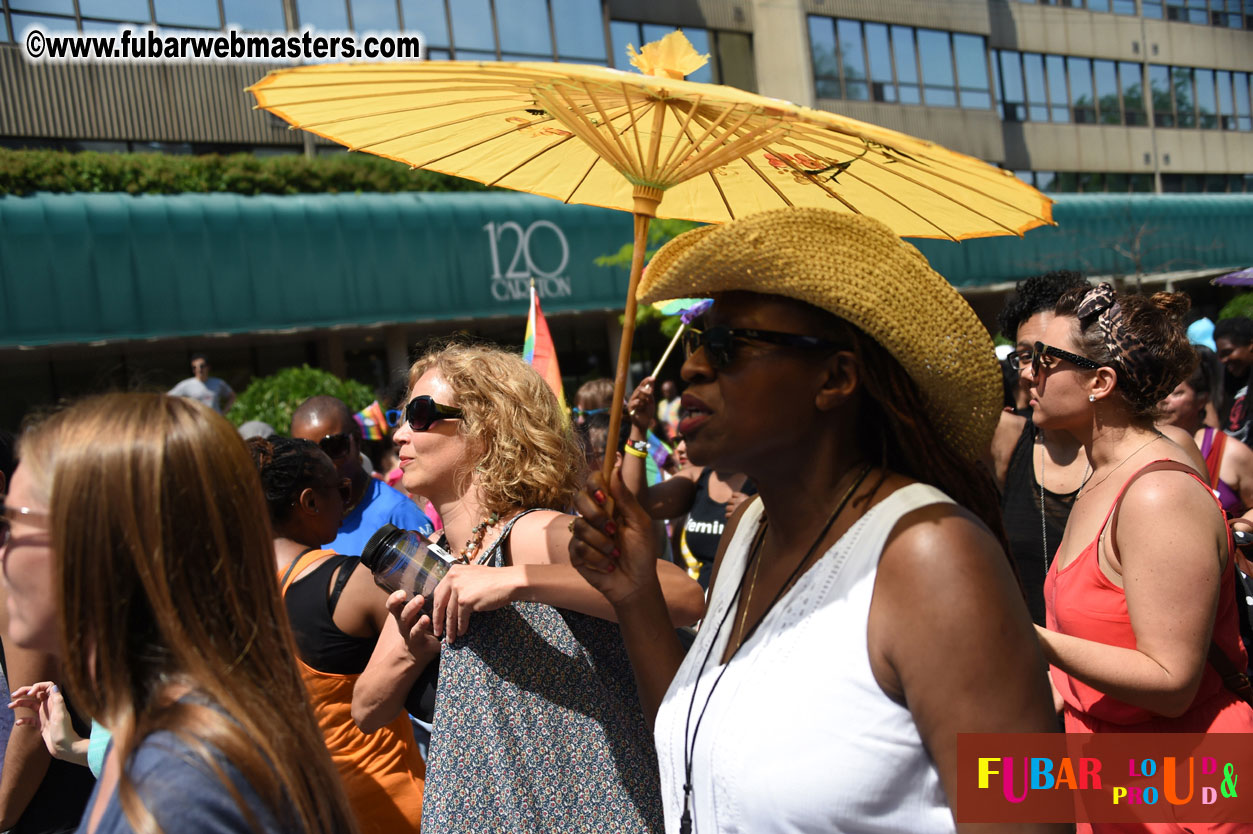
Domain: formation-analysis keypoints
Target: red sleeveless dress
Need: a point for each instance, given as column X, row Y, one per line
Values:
column 1082, row 602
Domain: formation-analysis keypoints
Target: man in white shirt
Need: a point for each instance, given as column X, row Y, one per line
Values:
column 211, row 391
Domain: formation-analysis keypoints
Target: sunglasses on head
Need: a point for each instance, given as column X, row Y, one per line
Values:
column 422, row 411
column 575, row 411
column 336, row 446
column 719, row 341
column 1046, row 357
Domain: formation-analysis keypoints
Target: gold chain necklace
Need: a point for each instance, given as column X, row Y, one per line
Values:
column 1138, row 449
column 748, row 599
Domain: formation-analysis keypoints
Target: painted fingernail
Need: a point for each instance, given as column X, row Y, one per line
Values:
column 611, row 528
column 610, row 568
column 599, row 495
column 615, row 554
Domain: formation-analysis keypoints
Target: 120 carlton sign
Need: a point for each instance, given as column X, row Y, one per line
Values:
column 539, row 251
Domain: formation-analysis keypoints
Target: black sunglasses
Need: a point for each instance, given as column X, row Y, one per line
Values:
column 10, row 514
column 336, row 446
column 422, row 411
column 719, row 341
column 1045, row 357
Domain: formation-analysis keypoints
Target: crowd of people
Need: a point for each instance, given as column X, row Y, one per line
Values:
column 842, row 543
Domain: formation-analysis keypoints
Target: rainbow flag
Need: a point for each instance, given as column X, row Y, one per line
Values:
column 658, row 454
column 373, row 421
column 674, row 306
column 538, row 350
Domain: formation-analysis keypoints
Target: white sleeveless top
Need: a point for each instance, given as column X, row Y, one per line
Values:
column 798, row 736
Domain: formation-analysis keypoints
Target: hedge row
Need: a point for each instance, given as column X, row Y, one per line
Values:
column 26, row 172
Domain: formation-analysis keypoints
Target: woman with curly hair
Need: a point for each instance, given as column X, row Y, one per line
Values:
column 536, row 725
column 137, row 549
column 1142, row 626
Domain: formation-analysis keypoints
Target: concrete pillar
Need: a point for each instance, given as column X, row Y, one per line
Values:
column 331, row 354
column 781, row 51
column 397, row 352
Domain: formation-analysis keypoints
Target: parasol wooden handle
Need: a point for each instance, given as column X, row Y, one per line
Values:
column 646, row 201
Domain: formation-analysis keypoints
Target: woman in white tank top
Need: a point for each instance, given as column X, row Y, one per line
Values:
column 862, row 611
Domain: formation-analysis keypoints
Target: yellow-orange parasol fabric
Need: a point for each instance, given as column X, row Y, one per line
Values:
column 587, row 134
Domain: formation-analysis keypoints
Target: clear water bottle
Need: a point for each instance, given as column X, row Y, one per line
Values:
column 406, row 560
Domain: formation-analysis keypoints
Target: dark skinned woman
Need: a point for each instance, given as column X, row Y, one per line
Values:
column 862, row 611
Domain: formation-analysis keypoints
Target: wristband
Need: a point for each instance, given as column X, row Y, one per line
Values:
column 631, row 450
column 638, row 445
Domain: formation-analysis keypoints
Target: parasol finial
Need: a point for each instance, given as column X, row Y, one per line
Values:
column 672, row 57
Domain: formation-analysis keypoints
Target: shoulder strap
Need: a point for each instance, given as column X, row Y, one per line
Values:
column 496, row 553
column 1153, row 466
column 347, row 564
column 1214, row 457
column 298, row 566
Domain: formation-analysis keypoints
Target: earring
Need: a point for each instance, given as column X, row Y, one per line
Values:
column 1091, row 398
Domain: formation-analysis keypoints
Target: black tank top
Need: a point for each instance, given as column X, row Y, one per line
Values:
column 312, row 613
column 1020, row 508
column 705, row 523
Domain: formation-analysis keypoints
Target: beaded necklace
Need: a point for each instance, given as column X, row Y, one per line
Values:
column 475, row 542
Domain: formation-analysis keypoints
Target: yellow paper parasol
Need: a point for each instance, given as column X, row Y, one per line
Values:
column 587, row 134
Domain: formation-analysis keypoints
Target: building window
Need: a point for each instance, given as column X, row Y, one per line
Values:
column 730, row 53
column 375, row 16
column 429, row 18
column 1106, row 75
column 972, row 71
column 580, row 30
column 898, row 64
column 1033, row 74
column 1131, row 84
column 254, row 15
column 1206, row 108
column 1010, row 87
column 1082, row 102
column 327, row 15
column 909, row 90
column 1159, row 86
column 1243, row 120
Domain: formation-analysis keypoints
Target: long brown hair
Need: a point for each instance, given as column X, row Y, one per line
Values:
column 895, row 427
column 165, row 572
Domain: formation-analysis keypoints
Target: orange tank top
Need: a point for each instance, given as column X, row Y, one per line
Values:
column 383, row 771
column 1081, row 601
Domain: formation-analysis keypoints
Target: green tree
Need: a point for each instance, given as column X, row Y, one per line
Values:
column 272, row 399
column 1241, row 305
column 659, row 232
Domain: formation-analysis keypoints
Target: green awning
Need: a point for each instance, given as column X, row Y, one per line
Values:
column 87, row 267
column 78, row 268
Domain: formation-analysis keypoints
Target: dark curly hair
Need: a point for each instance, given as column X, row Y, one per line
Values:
column 1037, row 294
column 287, row 467
column 1238, row 330
column 1157, row 323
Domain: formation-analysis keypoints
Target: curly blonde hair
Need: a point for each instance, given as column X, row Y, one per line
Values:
column 527, row 455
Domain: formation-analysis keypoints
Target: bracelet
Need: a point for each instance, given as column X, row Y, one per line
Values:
column 631, row 450
column 638, row 445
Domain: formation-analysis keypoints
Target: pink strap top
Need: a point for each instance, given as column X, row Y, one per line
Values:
column 1227, row 497
column 1081, row 601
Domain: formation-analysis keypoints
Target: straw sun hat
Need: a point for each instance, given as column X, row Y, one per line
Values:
column 856, row 268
